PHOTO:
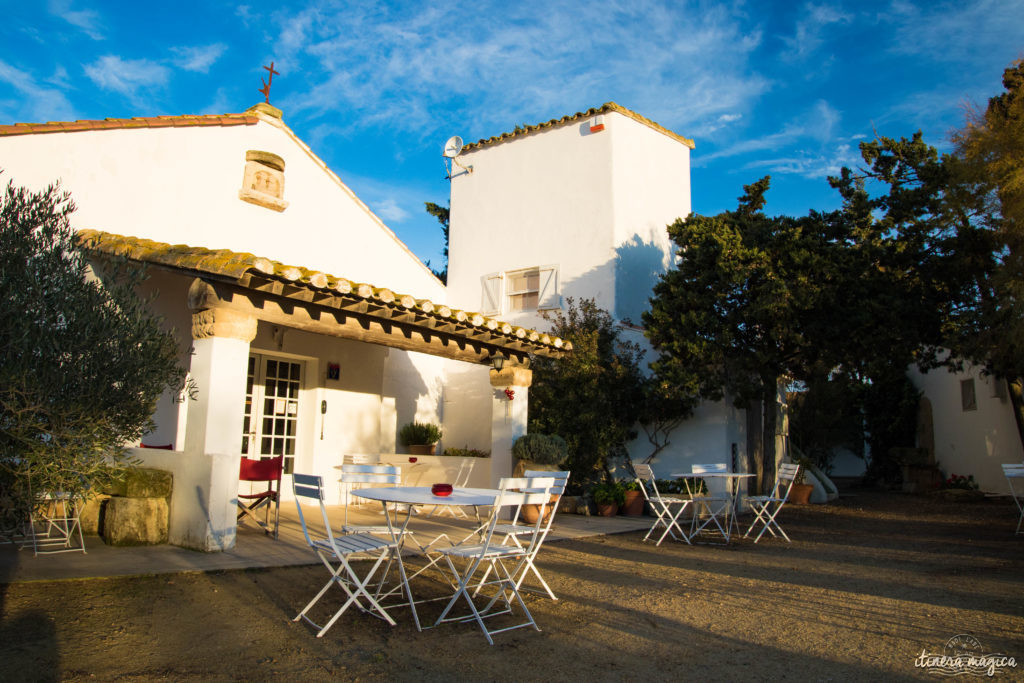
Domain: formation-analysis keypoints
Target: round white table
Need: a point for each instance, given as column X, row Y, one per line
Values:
column 727, row 510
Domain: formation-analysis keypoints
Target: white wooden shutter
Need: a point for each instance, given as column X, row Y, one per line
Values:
column 548, row 297
column 490, row 302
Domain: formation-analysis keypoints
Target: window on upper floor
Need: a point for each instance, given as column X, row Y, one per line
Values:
column 968, row 401
column 520, row 291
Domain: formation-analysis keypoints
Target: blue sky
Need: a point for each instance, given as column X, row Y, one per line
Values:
column 781, row 88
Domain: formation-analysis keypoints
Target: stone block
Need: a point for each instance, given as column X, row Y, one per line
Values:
column 91, row 515
column 142, row 482
column 135, row 521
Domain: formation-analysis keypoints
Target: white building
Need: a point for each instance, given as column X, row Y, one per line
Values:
column 578, row 207
column 966, row 420
column 308, row 329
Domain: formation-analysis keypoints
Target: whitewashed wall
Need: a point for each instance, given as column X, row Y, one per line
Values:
column 975, row 442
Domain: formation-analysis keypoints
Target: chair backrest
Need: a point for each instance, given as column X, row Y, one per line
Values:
column 268, row 469
column 311, row 487
column 354, row 459
column 645, row 478
column 1013, row 469
column 784, row 480
column 561, row 480
column 521, row 491
column 382, row 475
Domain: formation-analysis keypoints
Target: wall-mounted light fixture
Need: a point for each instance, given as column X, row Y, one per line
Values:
column 498, row 361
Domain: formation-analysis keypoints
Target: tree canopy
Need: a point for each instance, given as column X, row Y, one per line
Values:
column 82, row 363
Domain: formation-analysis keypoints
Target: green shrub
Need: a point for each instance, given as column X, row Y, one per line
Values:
column 467, row 453
column 419, row 434
column 543, row 449
column 609, row 492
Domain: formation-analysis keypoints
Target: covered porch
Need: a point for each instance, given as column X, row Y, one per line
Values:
column 314, row 359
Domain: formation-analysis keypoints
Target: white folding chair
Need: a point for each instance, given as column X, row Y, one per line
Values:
column 333, row 549
column 1016, row 471
column 661, row 506
column 533, row 491
column 516, row 530
column 375, row 475
column 54, row 525
column 766, row 508
column 715, row 506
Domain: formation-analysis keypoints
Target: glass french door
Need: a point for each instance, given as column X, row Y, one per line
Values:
column 271, row 417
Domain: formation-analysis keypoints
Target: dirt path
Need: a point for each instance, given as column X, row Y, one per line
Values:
column 866, row 586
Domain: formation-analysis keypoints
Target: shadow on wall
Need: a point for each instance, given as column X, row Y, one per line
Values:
column 405, row 384
column 638, row 266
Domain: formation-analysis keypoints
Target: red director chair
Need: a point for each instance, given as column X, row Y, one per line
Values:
column 269, row 471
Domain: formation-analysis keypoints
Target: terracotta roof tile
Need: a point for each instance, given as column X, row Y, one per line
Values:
column 136, row 122
column 223, row 262
column 569, row 118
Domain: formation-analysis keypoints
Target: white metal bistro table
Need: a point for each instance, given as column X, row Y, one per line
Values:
column 410, row 496
column 728, row 511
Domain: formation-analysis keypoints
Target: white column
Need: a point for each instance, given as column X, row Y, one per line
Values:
column 214, row 425
column 508, row 417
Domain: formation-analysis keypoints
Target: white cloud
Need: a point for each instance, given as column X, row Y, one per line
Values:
column 198, row 58
column 808, row 34
column 810, row 165
column 539, row 61
column 35, row 103
column 390, row 211
column 88, row 21
column 127, row 76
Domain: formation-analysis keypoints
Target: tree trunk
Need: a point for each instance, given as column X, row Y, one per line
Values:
column 1016, row 389
column 766, row 476
column 754, row 447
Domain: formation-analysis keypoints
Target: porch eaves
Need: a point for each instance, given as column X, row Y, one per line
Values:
column 479, row 337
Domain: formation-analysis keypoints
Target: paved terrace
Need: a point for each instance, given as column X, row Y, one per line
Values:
column 254, row 549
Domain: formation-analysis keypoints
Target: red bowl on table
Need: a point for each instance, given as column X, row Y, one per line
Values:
column 441, row 489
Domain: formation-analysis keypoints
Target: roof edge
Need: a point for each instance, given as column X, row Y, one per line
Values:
column 605, row 108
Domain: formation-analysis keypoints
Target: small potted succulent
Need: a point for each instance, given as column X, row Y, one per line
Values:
column 420, row 437
column 608, row 496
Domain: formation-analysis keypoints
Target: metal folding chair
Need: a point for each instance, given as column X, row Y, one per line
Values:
column 266, row 470
column 766, row 508
column 532, row 491
column 517, row 530
column 374, row 475
column 661, row 506
column 335, row 551
column 714, row 507
column 54, row 525
column 1016, row 471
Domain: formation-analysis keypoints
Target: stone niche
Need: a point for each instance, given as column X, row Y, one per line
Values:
column 263, row 180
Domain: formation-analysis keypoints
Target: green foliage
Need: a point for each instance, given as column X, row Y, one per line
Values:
column 890, row 420
column 443, row 216
column 697, row 486
column 609, row 492
column 827, row 415
column 543, row 449
column 591, row 398
column 467, row 453
column 419, row 434
column 82, row 361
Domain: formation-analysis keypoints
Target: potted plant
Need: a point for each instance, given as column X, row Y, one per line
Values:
column 609, row 496
column 633, row 505
column 420, row 437
column 538, row 452
column 800, row 493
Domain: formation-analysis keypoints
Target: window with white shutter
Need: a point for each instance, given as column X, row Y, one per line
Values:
column 490, row 301
column 548, row 297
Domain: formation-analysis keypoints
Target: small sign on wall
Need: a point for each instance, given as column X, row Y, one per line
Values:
column 333, row 371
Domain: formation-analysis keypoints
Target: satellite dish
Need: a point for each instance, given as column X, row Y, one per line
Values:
column 452, row 147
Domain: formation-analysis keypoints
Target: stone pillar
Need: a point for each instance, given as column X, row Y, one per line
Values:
column 508, row 417
column 220, row 359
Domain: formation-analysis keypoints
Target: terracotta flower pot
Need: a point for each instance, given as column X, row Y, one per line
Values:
column 634, row 505
column 609, row 510
column 800, row 494
column 424, row 449
column 529, row 513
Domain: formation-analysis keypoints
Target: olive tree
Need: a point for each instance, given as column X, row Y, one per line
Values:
column 82, row 361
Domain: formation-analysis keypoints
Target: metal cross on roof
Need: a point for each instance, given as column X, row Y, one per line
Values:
column 270, row 80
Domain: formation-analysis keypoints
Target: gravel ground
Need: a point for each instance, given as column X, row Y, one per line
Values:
column 867, row 585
